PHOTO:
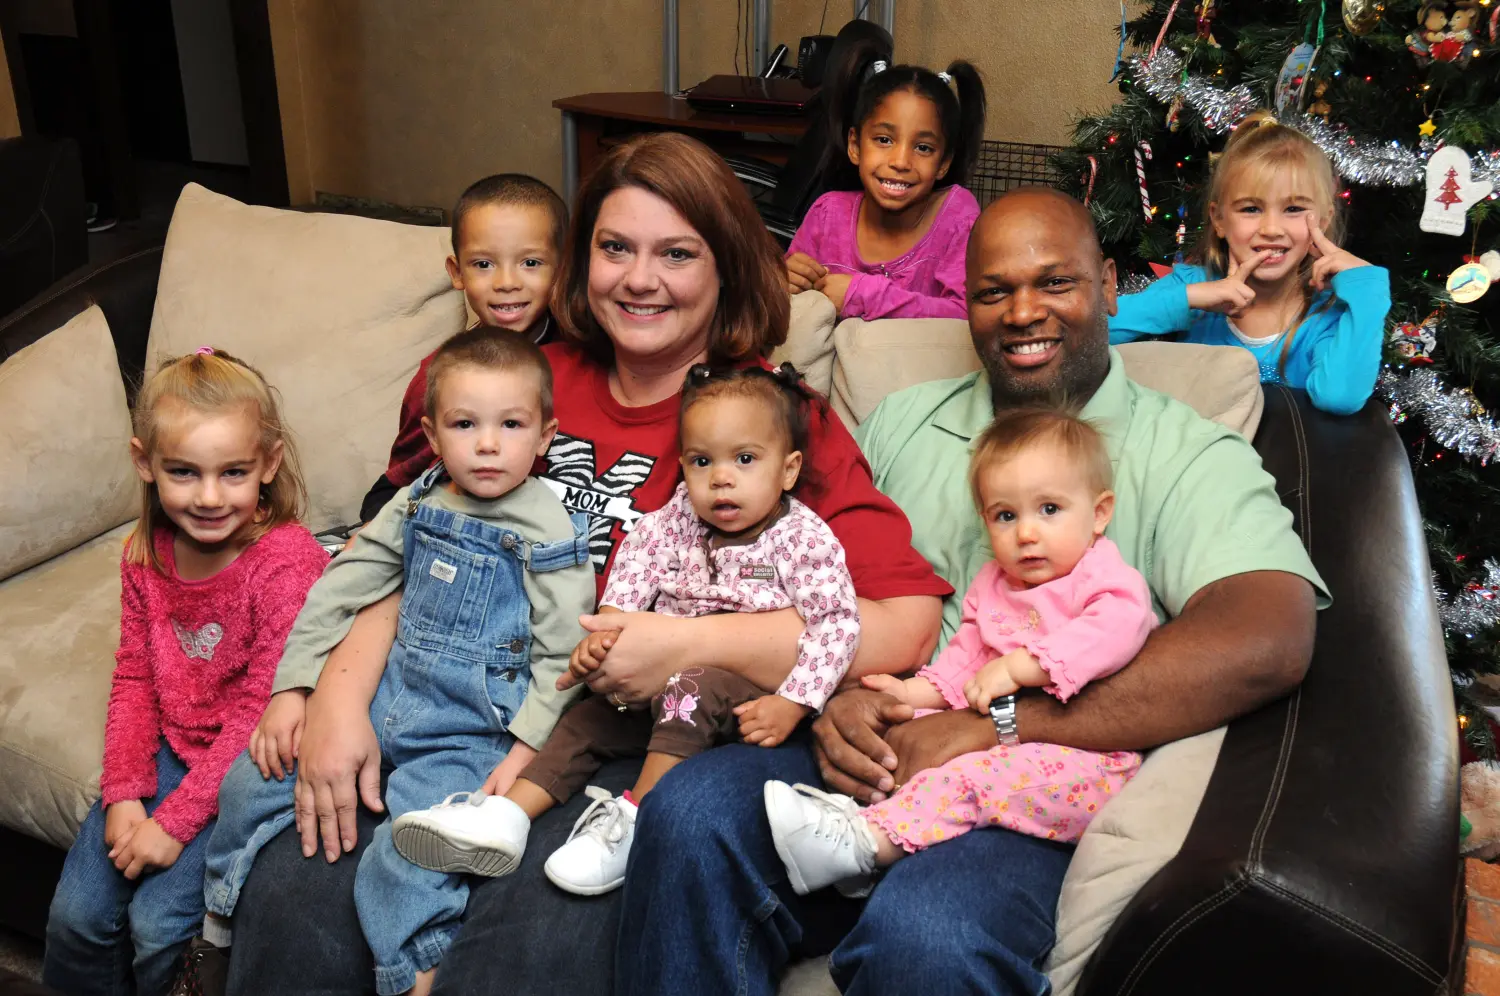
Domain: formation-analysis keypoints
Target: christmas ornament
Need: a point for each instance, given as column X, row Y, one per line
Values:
column 1361, row 16
column 1414, row 342
column 1476, row 608
column 1205, row 22
column 1088, row 195
column 1450, row 192
column 1454, row 417
column 1468, row 283
column 1142, row 153
column 1160, row 74
column 1320, row 107
column 1491, row 262
column 1293, row 76
column 1174, row 114
column 1426, row 128
column 1444, row 32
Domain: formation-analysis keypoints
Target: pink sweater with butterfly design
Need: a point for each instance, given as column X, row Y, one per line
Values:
column 797, row 563
column 195, row 665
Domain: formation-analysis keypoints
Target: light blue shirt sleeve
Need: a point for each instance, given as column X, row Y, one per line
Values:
column 1343, row 353
column 1160, row 309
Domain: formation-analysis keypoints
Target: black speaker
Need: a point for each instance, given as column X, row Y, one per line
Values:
column 812, row 56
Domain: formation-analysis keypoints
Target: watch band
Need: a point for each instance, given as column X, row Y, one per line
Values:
column 1003, row 714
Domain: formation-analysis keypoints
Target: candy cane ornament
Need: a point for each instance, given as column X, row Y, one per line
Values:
column 1142, row 153
column 1093, row 172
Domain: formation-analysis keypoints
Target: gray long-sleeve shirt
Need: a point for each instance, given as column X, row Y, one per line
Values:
column 372, row 568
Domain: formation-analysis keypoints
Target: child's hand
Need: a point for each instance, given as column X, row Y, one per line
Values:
column 887, row 683
column 587, row 656
column 993, row 681
column 120, row 818
column 145, row 846
column 1329, row 258
column 505, row 773
column 803, row 272
column 1232, row 295
column 277, row 737
column 834, row 286
column 769, row 720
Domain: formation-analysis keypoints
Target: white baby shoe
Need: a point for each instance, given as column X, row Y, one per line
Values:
column 468, row 832
column 820, row 837
column 593, row 860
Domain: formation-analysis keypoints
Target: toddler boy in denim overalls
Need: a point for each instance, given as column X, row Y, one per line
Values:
column 496, row 574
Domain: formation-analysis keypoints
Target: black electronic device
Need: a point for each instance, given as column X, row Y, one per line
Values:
column 812, row 58
column 774, row 68
column 750, row 95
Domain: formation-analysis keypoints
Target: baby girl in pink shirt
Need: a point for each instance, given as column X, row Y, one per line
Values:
column 1057, row 608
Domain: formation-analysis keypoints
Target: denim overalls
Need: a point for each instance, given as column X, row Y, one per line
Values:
column 456, row 675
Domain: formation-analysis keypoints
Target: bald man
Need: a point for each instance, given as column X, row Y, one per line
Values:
column 707, row 908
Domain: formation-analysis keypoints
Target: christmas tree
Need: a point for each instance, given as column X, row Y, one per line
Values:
column 1381, row 93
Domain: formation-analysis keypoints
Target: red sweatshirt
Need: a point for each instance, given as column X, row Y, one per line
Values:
column 195, row 665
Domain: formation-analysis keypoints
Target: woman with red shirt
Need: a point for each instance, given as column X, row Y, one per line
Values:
column 667, row 265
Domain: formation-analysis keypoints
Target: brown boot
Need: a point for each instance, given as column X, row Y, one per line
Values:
column 205, row 970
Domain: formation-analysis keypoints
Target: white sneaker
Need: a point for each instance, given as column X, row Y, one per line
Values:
column 820, row 837
column 593, row 860
column 468, row 832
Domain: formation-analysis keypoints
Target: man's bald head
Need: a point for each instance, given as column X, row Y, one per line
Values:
column 1045, row 204
column 1040, row 297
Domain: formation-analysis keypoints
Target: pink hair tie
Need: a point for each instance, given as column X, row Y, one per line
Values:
column 204, row 351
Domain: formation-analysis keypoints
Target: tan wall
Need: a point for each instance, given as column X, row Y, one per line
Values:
column 10, row 122
column 409, row 102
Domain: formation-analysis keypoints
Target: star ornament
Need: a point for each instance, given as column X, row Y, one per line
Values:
column 1427, row 128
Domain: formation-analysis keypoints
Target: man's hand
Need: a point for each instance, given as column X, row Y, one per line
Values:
column 852, row 757
column 769, row 720
column 587, row 657
column 505, row 773
column 145, row 845
column 934, row 740
column 120, row 818
column 835, row 286
column 274, row 741
column 1232, row 295
column 338, row 749
column 803, row 272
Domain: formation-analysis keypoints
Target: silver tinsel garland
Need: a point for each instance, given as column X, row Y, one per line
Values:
column 1453, row 417
column 1387, row 164
column 1476, row 608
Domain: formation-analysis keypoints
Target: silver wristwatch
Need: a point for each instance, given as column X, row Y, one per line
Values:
column 1003, row 713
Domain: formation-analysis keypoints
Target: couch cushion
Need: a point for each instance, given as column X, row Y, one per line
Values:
column 874, row 359
column 66, row 459
column 809, row 341
column 336, row 311
column 61, row 621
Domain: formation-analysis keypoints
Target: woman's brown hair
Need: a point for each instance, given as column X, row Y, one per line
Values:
column 754, row 308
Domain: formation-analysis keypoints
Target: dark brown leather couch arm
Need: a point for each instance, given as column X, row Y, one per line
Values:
column 124, row 288
column 1324, row 858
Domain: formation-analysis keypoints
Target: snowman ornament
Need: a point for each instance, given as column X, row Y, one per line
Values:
column 1450, row 192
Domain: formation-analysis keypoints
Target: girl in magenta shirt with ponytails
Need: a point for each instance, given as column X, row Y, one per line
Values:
column 894, row 245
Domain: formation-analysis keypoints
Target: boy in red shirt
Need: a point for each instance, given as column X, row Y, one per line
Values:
column 508, row 232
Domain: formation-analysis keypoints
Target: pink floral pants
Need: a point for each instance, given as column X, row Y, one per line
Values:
column 1039, row 789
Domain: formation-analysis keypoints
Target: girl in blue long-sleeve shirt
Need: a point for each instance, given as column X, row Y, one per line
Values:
column 1272, row 276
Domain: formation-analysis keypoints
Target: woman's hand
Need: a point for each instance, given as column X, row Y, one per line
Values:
column 803, row 272
column 835, row 286
column 587, row 657
column 1232, row 295
column 145, row 845
column 338, row 751
column 769, row 720
column 505, row 773
column 1328, row 258
column 274, row 741
column 120, row 818
column 648, row 649
column 851, row 755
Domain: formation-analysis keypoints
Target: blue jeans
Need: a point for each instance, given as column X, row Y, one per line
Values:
column 456, row 676
column 109, row 935
column 707, row 907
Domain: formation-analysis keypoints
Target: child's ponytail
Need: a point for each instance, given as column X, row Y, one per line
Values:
column 860, row 45
column 965, row 140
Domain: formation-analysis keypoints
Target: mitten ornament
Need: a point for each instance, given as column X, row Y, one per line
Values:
column 1450, row 192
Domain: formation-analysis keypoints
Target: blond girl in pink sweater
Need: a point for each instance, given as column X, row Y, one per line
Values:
column 1057, row 608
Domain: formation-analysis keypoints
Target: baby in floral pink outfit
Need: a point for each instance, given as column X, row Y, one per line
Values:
column 1057, row 608
column 732, row 539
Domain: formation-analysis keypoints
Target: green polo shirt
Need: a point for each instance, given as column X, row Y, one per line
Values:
column 1193, row 503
